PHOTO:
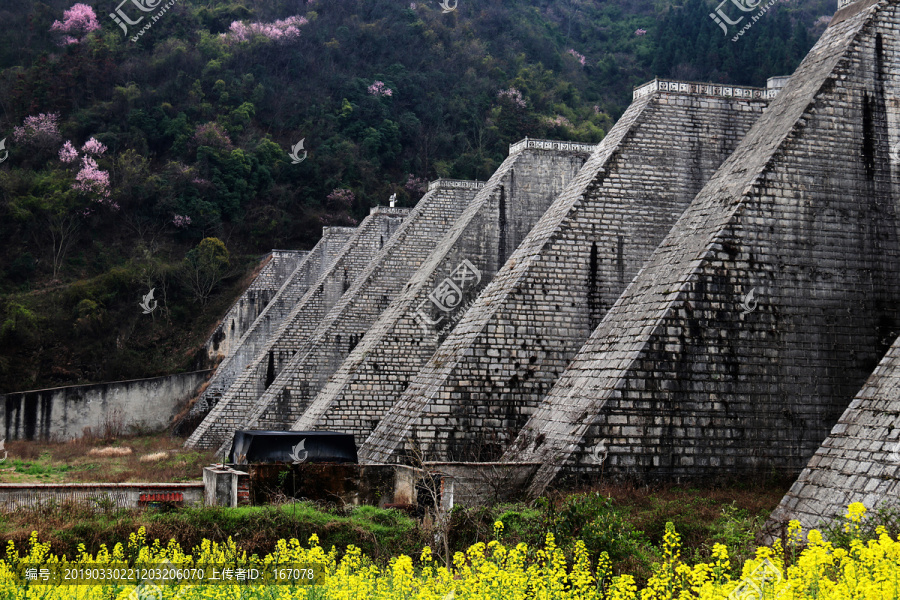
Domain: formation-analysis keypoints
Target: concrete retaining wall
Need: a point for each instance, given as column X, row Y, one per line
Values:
column 120, row 406
column 121, row 495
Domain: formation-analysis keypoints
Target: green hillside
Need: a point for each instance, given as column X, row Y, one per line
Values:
column 124, row 156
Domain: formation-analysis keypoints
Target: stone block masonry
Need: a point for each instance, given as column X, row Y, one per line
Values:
column 384, row 277
column 860, row 460
column 309, row 269
column 471, row 398
column 274, row 270
column 686, row 376
column 410, row 330
column 279, row 346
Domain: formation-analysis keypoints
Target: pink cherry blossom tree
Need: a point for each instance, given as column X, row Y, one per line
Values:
column 513, row 95
column 581, row 58
column 380, row 89
column 77, row 23
column 92, row 146
column 41, row 132
column 281, row 30
column 94, row 181
column 68, row 154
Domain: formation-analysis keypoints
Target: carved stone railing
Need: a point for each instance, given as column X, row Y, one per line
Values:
column 455, row 183
column 703, row 89
column 551, row 145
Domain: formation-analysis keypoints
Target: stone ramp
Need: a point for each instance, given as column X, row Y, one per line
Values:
column 275, row 269
column 472, row 397
column 689, row 375
column 858, row 462
column 409, row 331
column 309, row 269
column 346, row 323
column 259, row 360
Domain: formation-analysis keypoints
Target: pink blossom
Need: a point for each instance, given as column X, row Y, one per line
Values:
column 92, row 146
column 68, row 153
column 341, row 198
column 640, row 31
column 559, row 121
column 415, row 184
column 181, row 221
column 40, row 132
column 412, row 6
column 514, row 95
column 380, row 89
column 212, row 135
column 281, row 30
column 92, row 180
column 577, row 55
column 39, row 128
column 79, row 20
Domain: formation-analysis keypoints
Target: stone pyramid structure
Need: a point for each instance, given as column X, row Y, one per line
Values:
column 274, row 270
column 312, row 266
column 408, row 332
column 263, row 351
column 473, row 395
column 860, row 460
column 374, row 284
column 745, row 336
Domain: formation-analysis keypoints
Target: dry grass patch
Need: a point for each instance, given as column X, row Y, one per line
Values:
column 144, row 458
column 155, row 457
column 110, row 451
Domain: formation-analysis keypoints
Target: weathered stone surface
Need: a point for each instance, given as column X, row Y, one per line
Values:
column 860, row 460
column 260, row 358
column 471, row 398
column 318, row 356
column 309, row 269
column 276, row 268
column 680, row 379
column 413, row 326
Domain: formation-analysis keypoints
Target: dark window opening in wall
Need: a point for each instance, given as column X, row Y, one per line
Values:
column 594, row 305
column 270, row 370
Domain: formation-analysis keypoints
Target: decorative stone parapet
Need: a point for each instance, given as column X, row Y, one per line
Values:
column 703, row 89
column 455, row 183
column 550, row 145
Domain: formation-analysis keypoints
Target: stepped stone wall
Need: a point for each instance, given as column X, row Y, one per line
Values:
column 416, row 322
column 266, row 359
column 860, row 460
column 337, row 334
column 472, row 397
column 276, row 267
column 690, row 376
column 309, row 269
